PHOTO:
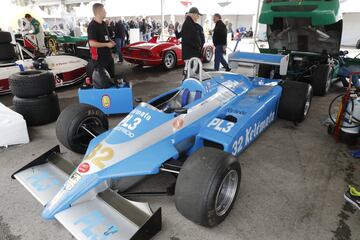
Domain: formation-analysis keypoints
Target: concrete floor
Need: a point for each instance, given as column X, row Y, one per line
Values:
column 292, row 184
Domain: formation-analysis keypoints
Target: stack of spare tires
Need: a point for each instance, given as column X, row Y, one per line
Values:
column 7, row 50
column 34, row 96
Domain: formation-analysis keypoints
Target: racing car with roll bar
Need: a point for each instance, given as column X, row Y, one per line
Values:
column 67, row 70
column 195, row 131
column 310, row 33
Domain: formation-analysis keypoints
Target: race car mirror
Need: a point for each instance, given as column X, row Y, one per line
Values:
column 138, row 100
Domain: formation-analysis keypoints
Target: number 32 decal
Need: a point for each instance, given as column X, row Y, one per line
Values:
column 99, row 155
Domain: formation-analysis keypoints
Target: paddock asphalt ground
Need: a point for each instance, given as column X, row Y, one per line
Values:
column 293, row 179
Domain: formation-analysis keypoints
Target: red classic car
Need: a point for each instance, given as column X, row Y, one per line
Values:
column 165, row 53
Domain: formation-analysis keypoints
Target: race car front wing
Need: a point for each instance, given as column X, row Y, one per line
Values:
column 103, row 215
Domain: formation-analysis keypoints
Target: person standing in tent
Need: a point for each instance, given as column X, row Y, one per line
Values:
column 100, row 41
column 191, row 35
column 220, row 42
column 38, row 32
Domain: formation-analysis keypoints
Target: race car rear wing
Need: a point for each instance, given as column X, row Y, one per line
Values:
column 103, row 215
column 281, row 61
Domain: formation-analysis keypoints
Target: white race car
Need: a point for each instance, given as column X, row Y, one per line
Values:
column 66, row 69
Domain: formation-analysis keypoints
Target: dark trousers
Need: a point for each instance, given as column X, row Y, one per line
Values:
column 107, row 64
column 119, row 45
column 219, row 58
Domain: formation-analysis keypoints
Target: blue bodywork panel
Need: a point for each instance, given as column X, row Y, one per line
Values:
column 110, row 101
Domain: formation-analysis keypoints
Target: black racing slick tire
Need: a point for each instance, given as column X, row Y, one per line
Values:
column 169, row 60
column 295, row 101
column 7, row 52
column 78, row 124
column 321, row 80
column 34, row 83
column 358, row 44
column 38, row 111
column 207, row 186
column 5, row 37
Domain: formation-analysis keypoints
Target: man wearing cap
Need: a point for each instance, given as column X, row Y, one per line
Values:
column 220, row 42
column 191, row 41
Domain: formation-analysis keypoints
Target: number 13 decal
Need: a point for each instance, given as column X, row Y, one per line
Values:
column 131, row 125
column 100, row 155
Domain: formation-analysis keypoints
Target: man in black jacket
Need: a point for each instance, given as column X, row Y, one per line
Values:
column 190, row 33
column 220, row 42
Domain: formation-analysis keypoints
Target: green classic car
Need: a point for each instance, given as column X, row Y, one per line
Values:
column 56, row 41
column 310, row 32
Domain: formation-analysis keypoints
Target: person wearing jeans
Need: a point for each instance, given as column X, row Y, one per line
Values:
column 220, row 42
column 120, row 35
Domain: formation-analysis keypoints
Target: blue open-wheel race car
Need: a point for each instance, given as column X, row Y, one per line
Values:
column 195, row 131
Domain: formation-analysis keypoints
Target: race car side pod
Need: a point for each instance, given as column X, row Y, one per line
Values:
column 106, row 213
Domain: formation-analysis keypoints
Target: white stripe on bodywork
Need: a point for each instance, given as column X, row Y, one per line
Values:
column 127, row 149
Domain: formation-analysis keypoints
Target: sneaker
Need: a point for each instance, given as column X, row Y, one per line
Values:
column 228, row 70
column 353, row 197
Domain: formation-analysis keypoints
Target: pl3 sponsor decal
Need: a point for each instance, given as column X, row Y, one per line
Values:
column 95, row 225
column 43, row 181
column 106, row 101
column 221, row 125
column 251, row 133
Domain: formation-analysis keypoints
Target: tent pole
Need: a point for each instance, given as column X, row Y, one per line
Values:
column 256, row 24
column 162, row 19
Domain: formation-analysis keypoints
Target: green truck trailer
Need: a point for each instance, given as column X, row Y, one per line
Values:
column 310, row 32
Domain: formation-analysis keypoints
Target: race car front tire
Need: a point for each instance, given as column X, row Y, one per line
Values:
column 33, row 83
column 295, row 101
column 207, row 186
column 78, row 124
column 5, row 37
column 38, row 111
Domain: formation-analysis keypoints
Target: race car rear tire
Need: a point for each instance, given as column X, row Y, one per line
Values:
column 321, row 80
column 169, row 60
column 208, row 54
column 69, row 126
column 203, row 179
column 358, row 44
column 295, row 101
column 38, row 111
column 34, row 83
column 5, row 37
column 7, row 52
